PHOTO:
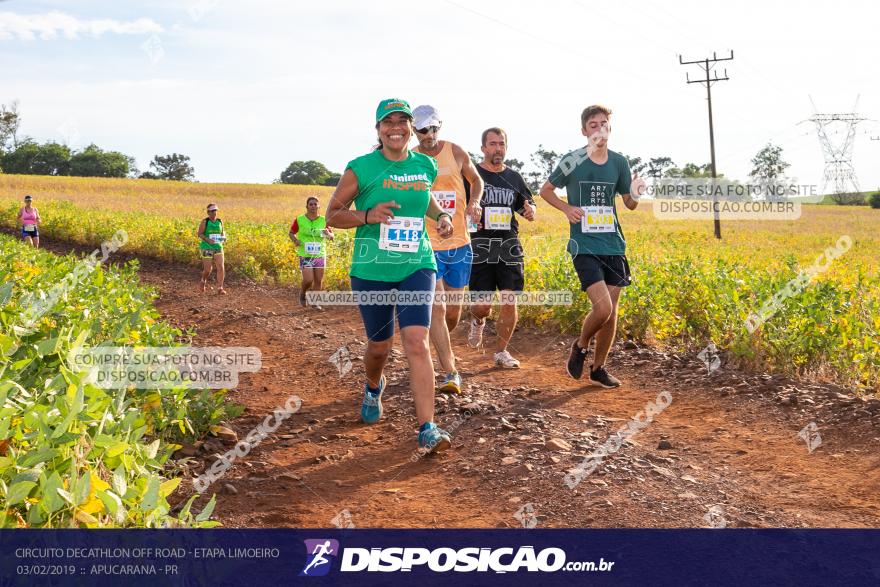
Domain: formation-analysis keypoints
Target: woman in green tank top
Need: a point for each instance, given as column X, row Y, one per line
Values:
column 390, row 189
column 211, row 236
column 308, row 233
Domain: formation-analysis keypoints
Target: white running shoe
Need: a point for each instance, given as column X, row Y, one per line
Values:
column 505, row 360
column 475, row 336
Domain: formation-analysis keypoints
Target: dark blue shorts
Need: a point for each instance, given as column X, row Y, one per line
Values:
column 379, row 319
column 35, row 233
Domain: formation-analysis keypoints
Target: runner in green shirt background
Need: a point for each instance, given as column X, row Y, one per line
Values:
column 308, row 232
column 211, row 237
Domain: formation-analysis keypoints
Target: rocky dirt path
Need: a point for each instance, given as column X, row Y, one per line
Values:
column 725, row 452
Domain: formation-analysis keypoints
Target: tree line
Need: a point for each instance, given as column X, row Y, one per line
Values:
column 25, row 156
column 768, row 165
column 28, row 157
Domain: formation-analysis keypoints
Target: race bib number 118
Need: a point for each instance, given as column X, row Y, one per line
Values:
column 402, row 235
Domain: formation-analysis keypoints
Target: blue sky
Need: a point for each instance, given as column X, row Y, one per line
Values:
column 245, row 88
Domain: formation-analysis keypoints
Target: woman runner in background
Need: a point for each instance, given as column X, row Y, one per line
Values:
column 211, row 236
column 29, row 218
column 308, row 232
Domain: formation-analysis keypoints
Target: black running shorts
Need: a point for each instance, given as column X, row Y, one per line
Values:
column 612, row 269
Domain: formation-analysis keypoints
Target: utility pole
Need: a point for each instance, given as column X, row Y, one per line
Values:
column 707, row 64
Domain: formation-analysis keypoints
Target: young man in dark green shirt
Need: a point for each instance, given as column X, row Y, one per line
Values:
column 592, row 176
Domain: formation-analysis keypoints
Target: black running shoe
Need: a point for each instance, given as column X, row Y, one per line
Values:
column 575, row 366
column 604, row 378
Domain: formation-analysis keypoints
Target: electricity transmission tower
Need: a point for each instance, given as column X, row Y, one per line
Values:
column 707, row 64
column 839, row 170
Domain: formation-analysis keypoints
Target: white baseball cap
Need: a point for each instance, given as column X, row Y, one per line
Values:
column 425, row 116
column 212, row 207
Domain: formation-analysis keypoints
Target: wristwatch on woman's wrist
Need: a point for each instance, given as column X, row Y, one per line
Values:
column 442, row 214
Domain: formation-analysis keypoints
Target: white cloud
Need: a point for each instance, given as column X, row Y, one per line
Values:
column 52, row 25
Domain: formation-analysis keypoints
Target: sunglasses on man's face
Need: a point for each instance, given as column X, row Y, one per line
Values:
column 426, row 130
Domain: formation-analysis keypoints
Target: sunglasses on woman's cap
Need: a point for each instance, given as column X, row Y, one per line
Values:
column 427, row 129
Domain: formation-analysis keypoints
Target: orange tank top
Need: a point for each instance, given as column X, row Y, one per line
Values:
column 448, row 189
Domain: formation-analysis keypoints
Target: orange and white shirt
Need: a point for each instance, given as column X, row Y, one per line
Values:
column 448, row 189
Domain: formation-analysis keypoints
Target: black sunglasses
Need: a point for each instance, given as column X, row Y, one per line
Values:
column 427, row 129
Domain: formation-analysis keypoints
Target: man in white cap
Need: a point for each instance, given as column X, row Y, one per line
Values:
column 453, row 254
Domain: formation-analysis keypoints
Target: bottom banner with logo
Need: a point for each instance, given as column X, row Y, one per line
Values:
column 434, row 557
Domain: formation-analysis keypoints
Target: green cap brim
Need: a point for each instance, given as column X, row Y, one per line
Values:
column 392, row 105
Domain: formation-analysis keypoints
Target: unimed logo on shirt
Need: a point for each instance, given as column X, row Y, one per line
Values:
column 417, row 182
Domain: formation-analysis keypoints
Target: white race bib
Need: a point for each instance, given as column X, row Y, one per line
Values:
column 217, row 238
column 446, row 201
column 597, row 219
column 30, row 227
column 498, row 218
column 402, row 235
column 313, row 248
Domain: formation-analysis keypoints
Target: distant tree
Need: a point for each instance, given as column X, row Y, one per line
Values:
column 10, row 120
column 31, row 158
column 332, row 179
column 174, row 167
column 636, row 165
column 20, row 160
column 515, row 164
column 768, row 164
column 95, row 162
column 52, row 159
column 657, row 165
column 691, row 170
column 305, row 173
column 874, row 200
column 56, row 159
column 848, row 198
column 543, row 161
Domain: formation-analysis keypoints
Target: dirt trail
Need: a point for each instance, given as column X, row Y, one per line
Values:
column 732, row 456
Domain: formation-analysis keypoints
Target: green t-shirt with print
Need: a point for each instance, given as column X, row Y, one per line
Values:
column 393, row 252
column 594, row 187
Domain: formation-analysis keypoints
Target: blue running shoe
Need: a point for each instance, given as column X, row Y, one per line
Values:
column 371, row 409
column 433, row 439
column 451, row 383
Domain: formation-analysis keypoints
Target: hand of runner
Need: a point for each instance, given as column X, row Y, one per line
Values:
column 444, row 226
column 475, row 211
column 529, row 212
column 383, row 213
column 574, row 214
column 637, row 187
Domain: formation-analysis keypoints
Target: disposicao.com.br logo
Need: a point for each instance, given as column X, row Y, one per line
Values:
column 441, row 560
